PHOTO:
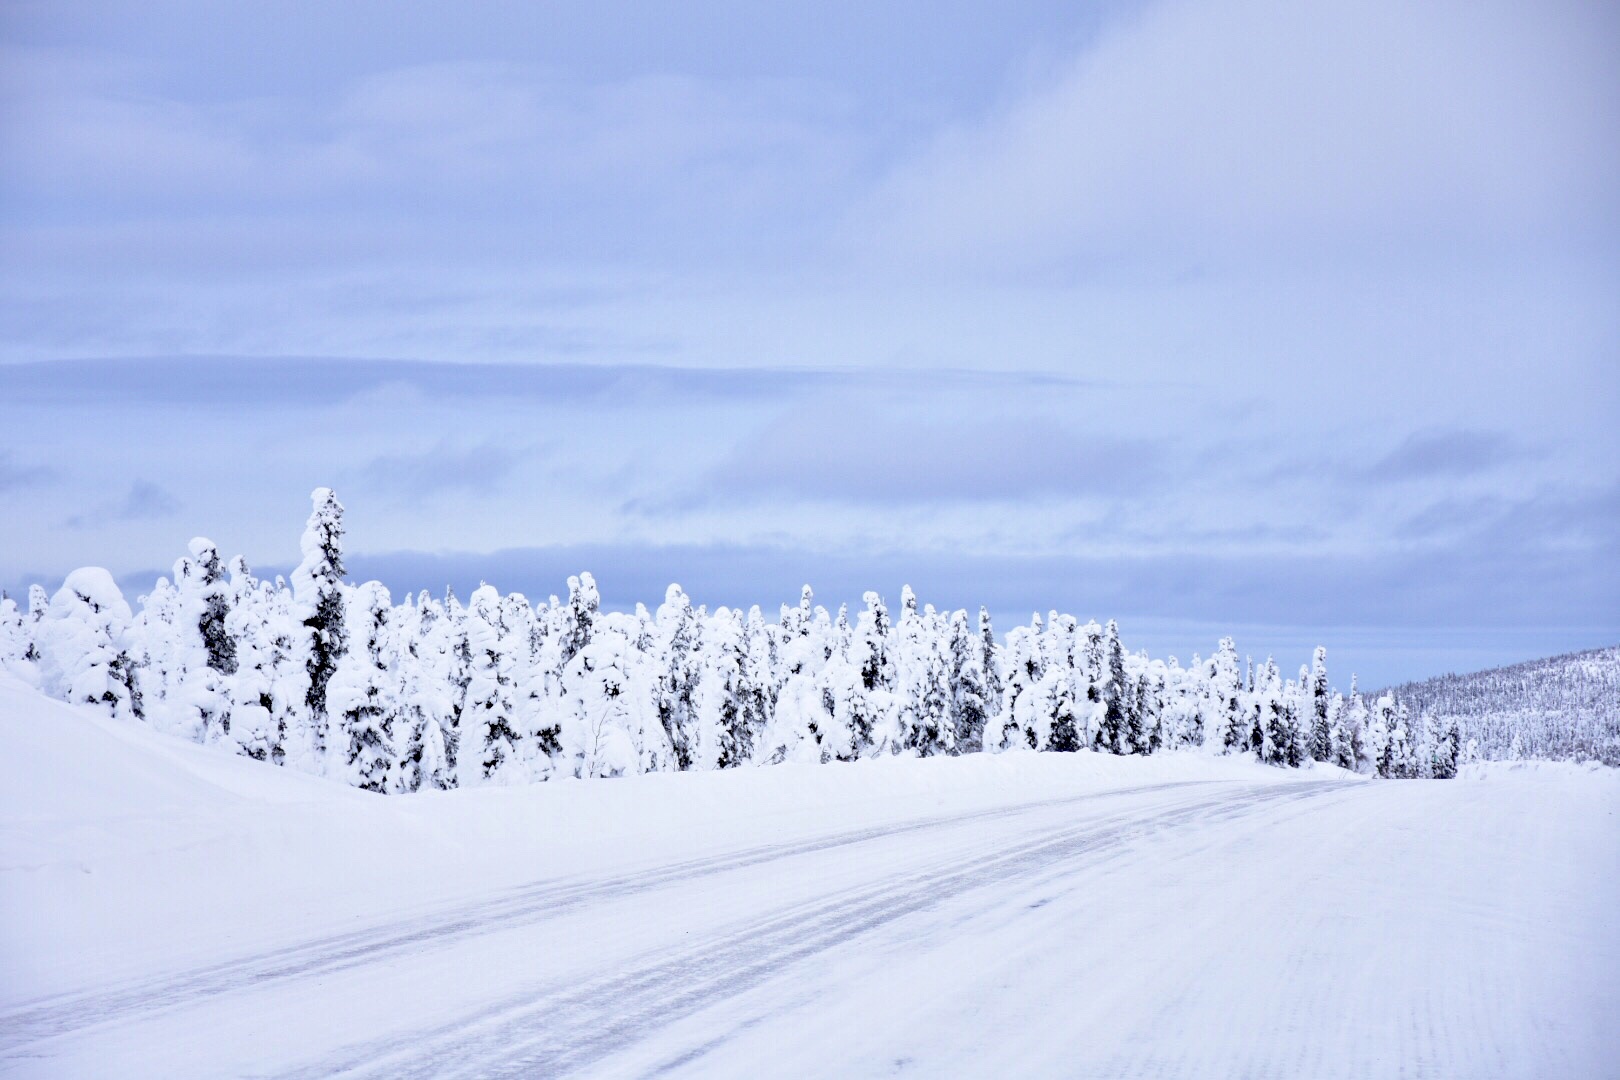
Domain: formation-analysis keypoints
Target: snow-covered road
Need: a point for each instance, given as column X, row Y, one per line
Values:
column 172, row 913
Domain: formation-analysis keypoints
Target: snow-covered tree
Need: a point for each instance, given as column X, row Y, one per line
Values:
column 1355, row 752
column 921, row 681
column 203, row 706
column 677, row 657
column 1149, row 681
column 1275, row 715
column 1121, row 730
column 318, row 590
column 81, row 644
column 160, row 645
column 852, row 721
column 39, row 603
column 1017, row 719
column 1181, row 711
column 1381, row 753
column 1446, row 751
column 1321, row 730
column 1402, row 753
column 360, row 695
column 1227, row 714
column 800, row 717
column 255, row 728
column 969, row 685
column 16, row 642
column 614, row 728
column 421, row 662
column 489, row 746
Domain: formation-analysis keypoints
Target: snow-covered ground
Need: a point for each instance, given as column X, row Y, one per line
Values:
column 172, row 911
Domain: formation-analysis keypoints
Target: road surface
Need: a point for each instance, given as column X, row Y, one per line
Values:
column 1318, row 928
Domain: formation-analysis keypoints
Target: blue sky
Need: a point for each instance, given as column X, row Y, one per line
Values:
column 1302, row 322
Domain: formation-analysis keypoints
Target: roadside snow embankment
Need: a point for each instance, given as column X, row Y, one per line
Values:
column 125, row 853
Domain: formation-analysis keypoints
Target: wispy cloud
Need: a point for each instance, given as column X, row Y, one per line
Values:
column 144, row 500
column 1440, row 454
column 14, row 475
column 444, row 467
column 935, row 456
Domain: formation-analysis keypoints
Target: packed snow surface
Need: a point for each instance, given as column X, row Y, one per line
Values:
column 172, row 911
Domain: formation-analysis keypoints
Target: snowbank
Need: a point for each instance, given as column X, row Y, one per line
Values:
column 1536, row 770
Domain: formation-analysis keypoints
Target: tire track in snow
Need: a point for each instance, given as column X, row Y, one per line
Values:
column 524, row 905
column 553, row 1031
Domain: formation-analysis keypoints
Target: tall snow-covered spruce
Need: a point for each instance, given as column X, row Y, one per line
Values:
column 318, row 590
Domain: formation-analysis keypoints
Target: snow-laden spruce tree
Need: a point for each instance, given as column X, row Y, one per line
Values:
column 1059, row 710
column 1227, row 714
column 1180, row 700
column 1341, row 749
column 1354, row 753
column 359, row 696
column 1381, row 755
column 1272, row 734
column 523, row 647
column 39, row 603
column 579, row 618
column 1121, row 727
column 678, row 643
column 920, row 680
column 214, row 593
column 489, row 747
column 969, row 683
column 990, row 662
column 458, row 660
column 420, row 660
column 1091, row 678
column 716, row 705
column 852, row 723
column 613, row 729
column 162, row 647
column 81, row 644
column 872, row 630
column 204, row 600
column 289, row 680
column 318, row 591
column 800, row 717
column 761, row 683
column 542, row 730
column 1321, row 728
column 1014, row 725
column 16, row 643
column 256, row 718
column 1402, row 752
column 1446, row 748
column 1149, row 681
column 934, row 731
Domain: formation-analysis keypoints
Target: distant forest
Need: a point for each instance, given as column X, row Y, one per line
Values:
column 1562, row 708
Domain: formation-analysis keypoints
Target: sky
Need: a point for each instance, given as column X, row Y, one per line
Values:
column 1299, row 322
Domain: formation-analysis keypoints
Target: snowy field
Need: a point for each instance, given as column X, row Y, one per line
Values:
column 173, row 911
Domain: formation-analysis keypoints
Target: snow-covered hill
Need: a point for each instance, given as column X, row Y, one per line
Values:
column 1563, row 708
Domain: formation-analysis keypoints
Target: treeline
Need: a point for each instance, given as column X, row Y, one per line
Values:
column 334, row 678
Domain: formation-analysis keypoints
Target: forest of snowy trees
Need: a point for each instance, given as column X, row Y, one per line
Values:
column 1563, row 708
column 334, row 678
